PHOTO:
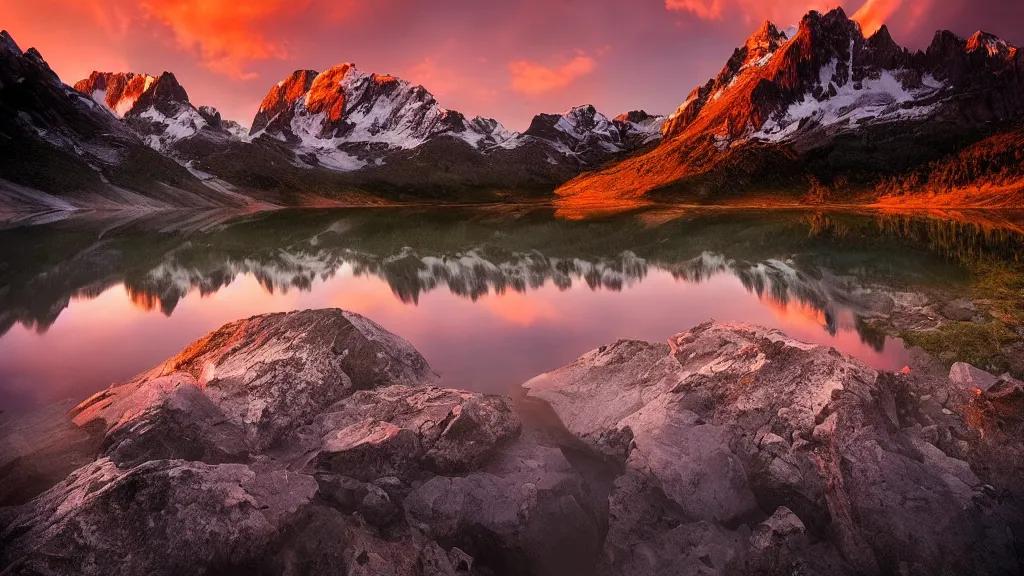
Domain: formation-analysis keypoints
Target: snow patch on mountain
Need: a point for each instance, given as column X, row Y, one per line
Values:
column 344, row 108
column 187, row 122
column 881, row 99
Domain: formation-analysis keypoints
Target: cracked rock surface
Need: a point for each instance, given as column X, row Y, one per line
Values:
column 316, row 442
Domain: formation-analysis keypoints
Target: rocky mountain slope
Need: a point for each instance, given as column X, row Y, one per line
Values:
column 60, row 150
column 394, row 137
column 823, row 103
column 365, row 135
column 346, row 119
column 159, row 110
column 318, row 442
column 816, row 113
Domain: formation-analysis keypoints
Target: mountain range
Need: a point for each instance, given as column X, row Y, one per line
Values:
column 814, row 113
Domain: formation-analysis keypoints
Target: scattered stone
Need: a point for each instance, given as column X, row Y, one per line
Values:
column 377, row 507
column 965, row 377
column 782, row 532
column 962, row 310
column 930, row 434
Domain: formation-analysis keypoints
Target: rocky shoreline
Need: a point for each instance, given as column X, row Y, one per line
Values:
column 316, row 442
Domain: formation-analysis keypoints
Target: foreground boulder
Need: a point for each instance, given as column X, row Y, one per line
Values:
column 318, row 443
column 745, row 451
column 244, row 387
column 162, row 517
column 301, row 443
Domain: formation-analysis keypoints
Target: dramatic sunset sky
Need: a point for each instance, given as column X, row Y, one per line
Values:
column 505, row 59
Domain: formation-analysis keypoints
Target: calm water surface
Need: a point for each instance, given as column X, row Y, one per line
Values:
column 490, row 297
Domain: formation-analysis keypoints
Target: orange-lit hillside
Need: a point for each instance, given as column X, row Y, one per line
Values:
column 326, row 94
column 987, row 174
column 709, row 130
column 826, row 108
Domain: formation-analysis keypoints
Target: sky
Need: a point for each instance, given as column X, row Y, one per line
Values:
column 505, row 59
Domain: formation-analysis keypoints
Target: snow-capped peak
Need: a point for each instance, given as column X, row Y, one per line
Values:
column 117, row 91
column 344, row 107
column 995, row 46
column 582, row 121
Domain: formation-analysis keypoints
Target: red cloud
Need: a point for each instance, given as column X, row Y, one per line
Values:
column 783, row 12
column 227, row 34
column 874, row 13
column 871, row 15
column 533, row 79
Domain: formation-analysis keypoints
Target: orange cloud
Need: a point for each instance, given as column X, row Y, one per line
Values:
column 782, row 12
column 533, row 79
column 428, row 74
column 223, row 32
column 227, row 33
column 871, row 15
column 874, row 13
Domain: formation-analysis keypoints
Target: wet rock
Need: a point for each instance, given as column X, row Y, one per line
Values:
column 876, row 301
column 731, row 450
column 244, row 387
column 961, row 310
column 964, row 377
column 40, row 449
column 854, row 462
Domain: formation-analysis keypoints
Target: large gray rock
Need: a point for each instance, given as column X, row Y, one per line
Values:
column 316, row 443
column 964, row 377
column 163, row 517
column 201, row 460
column 961, row 310
column 246, row 386
column 730, row 422
column 398, row 430
column 527, row 512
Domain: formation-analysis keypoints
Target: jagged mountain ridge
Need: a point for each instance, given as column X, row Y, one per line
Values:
column 822, row 102
column 158, row 108
column 346, row 119
column 60, row 150
column 819, row 106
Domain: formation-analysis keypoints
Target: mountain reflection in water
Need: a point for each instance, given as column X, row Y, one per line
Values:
column 535, row 291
